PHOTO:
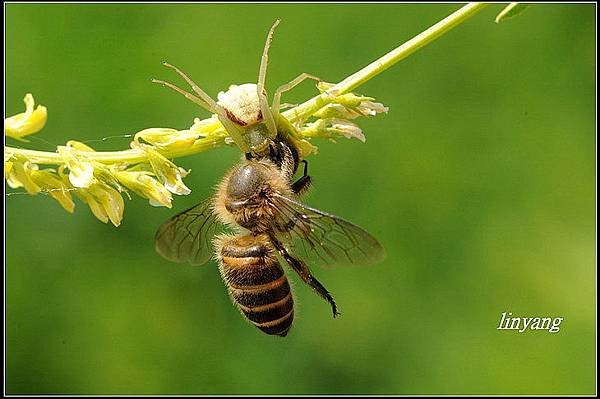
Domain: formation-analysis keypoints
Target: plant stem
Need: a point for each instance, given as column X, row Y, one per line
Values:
column 111, row 157
column 307, row 108
column 299, row 113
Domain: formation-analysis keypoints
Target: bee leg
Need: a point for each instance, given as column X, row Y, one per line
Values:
column 301, row 185
column 305, row 274
column 322, row 291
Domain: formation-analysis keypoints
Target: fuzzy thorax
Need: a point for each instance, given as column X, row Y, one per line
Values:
column 253, row 210
column 241, row 104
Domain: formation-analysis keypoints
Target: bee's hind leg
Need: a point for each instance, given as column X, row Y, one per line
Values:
column 305, row 274
column 301, row 185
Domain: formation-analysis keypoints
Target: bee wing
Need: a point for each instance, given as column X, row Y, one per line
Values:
column 322, row 238
column 187, row 236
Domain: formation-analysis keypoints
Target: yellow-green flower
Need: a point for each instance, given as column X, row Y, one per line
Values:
column 81, row 171
column 305, row 148
column 26, row 123
column 169, row 174
column 351, row 106
column 54, row 186
column 346, row 128
column 79, row 146
column 369, row 108
column 167, row 139
column 105, row 202
column 19, row 175
column 7, row 164
column 332, row 128
column 207, row 126
column 144, row 185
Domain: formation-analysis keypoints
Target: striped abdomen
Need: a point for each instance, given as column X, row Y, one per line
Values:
column 256, row 282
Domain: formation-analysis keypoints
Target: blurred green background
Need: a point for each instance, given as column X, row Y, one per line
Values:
column 480, row 183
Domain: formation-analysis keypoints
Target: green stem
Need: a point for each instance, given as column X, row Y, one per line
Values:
column 309, row 107
column 299, row 113
column 111, row 157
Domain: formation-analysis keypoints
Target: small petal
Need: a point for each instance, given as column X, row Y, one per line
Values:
column 336, row 111
column 305, row 148
column 97, row 209
column 206, row 127
column 347, row 129
column 351, row 100
column 26, row 123
column 144, row 185
column 371, row 109
column 104, row 201
column 111, row 200
column 105, row 175
column 20, row 176
column 350, row 106
column 169, row 174
column 7, row 168
column 332, row 128
column 167, row 139
column 64, row 199
column 55, row 187
column 174, row 183
column 81, row 172
column 79, row 146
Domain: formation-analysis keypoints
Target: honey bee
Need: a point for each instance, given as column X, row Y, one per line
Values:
column 258, row 199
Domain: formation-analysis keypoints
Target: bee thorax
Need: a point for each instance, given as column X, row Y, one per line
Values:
column 246, row 181
column 246, row 195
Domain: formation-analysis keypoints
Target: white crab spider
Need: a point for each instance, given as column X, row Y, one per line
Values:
column 243, row 108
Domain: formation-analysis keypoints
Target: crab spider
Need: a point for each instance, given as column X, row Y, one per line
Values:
column 243, row 109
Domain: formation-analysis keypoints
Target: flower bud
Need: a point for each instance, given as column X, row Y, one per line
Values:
column 20, row 176
column 346, row 128
column 79, row 146
column 206, row 127
column 81, row 172
column 167, row 139
column 104, row 201
column 369, row 108
column 53, row 185
column 332, row 128
column 144, row 185
column 169, row 174
column 26, row 123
